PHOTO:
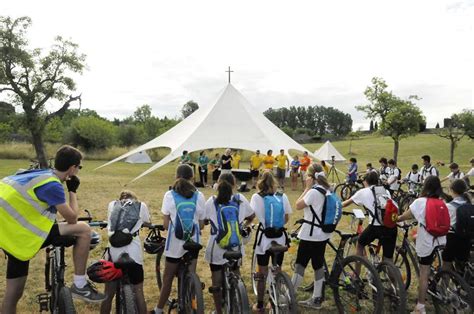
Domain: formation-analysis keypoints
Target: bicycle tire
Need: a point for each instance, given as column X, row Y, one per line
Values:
column 239, row 300
column 338, row 187
column 127, row 300
column 352, row 283
column 285, row 294
column 400, row 260
column 253, row 271
column 395, row 296
column 193, row 298
column 346, row 192
column 461, row 300
column 65, row 302
column 158, row 259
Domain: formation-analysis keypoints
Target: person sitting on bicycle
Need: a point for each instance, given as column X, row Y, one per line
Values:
column 394, row 174
column 313, row 239
column 352, row 171
column 457, row 246
column 274, row 207
column 220, row 208
column 126, row 212
column 455, row 173
column 365, row 197
column 425, row 242
column 383, row 171
column 183, row 193
column 413, row 178
column 370, row 168
column 29, row 202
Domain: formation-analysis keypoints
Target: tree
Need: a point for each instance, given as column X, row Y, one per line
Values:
column 371, row 127
column 189, row 108
column 398, row 118
column 376, row 126
column 92, row 133
column 459, row 126
column 437, row 126
column 352, row 136
column 142, row 114
column 31, row 78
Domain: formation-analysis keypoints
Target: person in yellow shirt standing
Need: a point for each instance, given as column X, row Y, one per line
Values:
column 255, row 165
column 282, row 166
column 268, row 161
column 236, row 160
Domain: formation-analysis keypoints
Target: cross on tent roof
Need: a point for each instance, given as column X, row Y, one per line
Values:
column 228, row 71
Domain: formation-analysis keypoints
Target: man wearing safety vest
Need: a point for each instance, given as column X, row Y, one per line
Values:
column 29, row 202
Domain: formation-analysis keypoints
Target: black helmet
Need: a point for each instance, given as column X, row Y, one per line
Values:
column 153, row 243
column 95, row 240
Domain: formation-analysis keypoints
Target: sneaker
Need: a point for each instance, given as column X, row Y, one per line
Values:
column 88, row 293
column 316, row 303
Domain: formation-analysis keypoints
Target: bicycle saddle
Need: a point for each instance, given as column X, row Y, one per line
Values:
column 232, row 255
column 192, row 246
column 124, row 261
column 277, row 248
column 64, row 241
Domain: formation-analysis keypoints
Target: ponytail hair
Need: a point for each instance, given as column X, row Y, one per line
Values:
column 432, row 188
column 183, row 185
column 225, row 186
column 323, row 181
column 459, row 187
column 267, row 184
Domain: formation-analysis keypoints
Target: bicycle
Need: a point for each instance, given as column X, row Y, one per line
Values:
column 58, row 297
column 35, row 164
column 155, row 244
column 124, row 295
column 348, row 189
column 190, row 298
column 405, row 198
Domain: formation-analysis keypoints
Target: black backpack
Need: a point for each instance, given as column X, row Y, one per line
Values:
column 125, row 215
column 464, row 226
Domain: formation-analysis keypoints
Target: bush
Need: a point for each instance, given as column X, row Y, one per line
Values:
column 129, row 135
column 5, row 132
column 92, row 133
column 54, row 131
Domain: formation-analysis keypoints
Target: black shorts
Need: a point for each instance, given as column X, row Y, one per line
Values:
column 254, row 173
column 135, row 273
column 264, row 260
column 386, row 236
column 311, row 250
column 215, row 174
column 17, row 268
column 457, row 248
column 281, row 173
column 173, row 260
column 427, row 260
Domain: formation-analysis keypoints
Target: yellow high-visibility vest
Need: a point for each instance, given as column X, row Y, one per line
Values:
column 25, row 221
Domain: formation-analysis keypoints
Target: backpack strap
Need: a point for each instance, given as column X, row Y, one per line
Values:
column 374, row 215
column 315, row 217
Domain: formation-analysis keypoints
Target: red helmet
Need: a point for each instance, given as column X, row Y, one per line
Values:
column 103, row 271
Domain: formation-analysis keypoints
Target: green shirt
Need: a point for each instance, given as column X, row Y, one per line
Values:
column 203, row 161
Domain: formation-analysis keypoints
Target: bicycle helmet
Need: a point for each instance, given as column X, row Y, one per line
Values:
column 95, row 240
column 103, row 271
column 153, row 243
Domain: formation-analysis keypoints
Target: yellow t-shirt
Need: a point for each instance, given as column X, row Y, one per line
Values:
column 281, row 161
column 268, row 162
column 235, row 163
column 256, row 162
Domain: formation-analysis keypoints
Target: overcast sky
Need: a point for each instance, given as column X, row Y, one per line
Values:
column 164, row 53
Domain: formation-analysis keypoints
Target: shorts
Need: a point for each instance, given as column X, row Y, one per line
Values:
column 427, row 260
column 254, row 173
column 215, row 174
column 311, row 250
column 281, row 173
column 386, row 236
column 264, row 260
column 457, row 248
column 303, row 173
column 135, row 273
column 17, row 268
column 215, row 267
column 173, row 260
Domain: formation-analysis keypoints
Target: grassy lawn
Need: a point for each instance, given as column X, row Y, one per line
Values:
column 99, row 187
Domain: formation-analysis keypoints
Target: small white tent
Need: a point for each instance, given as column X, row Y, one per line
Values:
column 230, row 122
column 327, row 151
column 139, row 158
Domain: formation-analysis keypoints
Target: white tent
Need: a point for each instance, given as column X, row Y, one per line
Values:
column 231, row 122
column 139, row 158
column 326, row 152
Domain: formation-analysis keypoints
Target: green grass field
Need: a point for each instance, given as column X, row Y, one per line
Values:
column 99, row 187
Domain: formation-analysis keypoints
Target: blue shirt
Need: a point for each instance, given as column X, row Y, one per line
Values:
column 295, row 164
column 353, row 172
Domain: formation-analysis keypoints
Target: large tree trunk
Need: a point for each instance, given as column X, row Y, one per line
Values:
column 396, row 145
column 38, row 144
column 451, row 151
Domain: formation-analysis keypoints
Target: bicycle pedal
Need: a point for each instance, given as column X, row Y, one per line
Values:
column 43, row 301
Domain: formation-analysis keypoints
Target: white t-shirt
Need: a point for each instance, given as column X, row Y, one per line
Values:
column 174, row 246
column 214, row 253
column 425, row 242
column 452, row 208
column 471, row 172
column 384, row 172
column 413, row 177
column 365, row 197
column 316, row 199
column 134, row 249
column 394, row 173
column 452, row 176
column 258, row 205
column 428, row 171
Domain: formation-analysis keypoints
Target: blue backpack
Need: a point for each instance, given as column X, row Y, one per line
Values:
column 228, row 230
column 184, row 220
column 274, row 215
column 331, row 214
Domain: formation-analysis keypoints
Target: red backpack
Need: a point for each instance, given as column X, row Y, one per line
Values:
column 437, row 218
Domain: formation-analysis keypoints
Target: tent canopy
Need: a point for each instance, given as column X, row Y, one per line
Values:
column 231, row 122
column 139, row 158
column 326, row 152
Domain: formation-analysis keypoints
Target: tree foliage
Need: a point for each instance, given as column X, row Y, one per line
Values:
column 29, row 78
column 92, row 133
column 456, row 127
column 189, row 108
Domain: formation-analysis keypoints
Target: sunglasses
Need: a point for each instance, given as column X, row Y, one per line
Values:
column 79, row 167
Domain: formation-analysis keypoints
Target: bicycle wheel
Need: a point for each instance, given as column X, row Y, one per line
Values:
column 284, row 298
column 158, row 260
column 346, row 192
column 239, row 300
column 338, row 188
column 254, row 268
column 450, row 293
column 400, row 260
column 405, row 202
column 395, row 297
column 357, row 286
column 193, row 299
column 65, row 303
column 127, row 300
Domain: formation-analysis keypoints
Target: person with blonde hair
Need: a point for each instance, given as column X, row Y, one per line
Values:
column 272, row 210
